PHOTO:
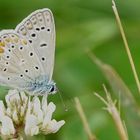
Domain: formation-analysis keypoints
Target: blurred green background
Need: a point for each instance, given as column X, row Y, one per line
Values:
column 84, row 24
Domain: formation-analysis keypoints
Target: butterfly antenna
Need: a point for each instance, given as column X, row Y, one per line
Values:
column 61, row 98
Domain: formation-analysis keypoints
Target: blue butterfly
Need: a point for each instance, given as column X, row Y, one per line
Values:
column 27, row 54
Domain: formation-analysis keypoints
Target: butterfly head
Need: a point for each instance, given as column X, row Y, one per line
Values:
column 53, row 89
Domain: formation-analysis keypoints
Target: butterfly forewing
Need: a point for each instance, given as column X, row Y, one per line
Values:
column 39, row 30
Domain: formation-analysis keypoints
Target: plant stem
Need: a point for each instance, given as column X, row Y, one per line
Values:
column 84, row 120
column 126, row 45
column 113, row 111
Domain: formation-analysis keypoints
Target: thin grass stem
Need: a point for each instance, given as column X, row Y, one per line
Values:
column 84, row 120
column 126, row 44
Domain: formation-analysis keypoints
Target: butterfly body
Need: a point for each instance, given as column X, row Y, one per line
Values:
column 41, row 85
column 27, row 54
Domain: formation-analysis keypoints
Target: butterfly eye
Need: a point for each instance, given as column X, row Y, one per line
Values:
column 52, row 89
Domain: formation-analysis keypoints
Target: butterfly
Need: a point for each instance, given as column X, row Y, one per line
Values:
column 27, row 54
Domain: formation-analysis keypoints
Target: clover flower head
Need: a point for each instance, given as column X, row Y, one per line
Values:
column 23, row 114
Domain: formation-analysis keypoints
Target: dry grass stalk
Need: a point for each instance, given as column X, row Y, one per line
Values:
column 126, row 44
column 84, row 120
column 111, row 108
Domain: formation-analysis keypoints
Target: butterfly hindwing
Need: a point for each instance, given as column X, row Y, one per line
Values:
column 39, row 29
column 17, row 66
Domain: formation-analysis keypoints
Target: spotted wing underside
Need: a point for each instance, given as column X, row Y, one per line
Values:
column 28, row 51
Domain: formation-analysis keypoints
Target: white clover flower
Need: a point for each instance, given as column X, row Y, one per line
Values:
column 30, row 116
column 39, row 117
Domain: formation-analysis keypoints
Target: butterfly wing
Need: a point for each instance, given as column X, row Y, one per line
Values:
column 19, row 64
column 27, row 54
column 39, row 30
